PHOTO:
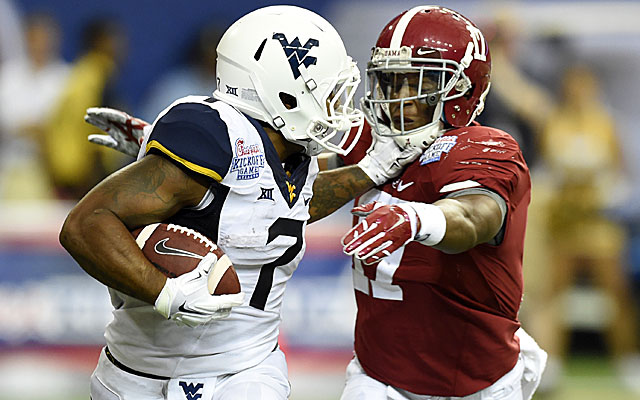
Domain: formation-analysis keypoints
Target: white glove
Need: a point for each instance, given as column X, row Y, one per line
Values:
column 186, row 299
column 384, row 159
column 125, row 133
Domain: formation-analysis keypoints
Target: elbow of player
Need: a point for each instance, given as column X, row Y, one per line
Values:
column 71, row 229
column 77, row 227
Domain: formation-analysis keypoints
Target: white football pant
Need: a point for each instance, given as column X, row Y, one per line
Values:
column 266, row 381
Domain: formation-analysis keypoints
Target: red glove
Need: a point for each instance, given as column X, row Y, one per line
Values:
column 384, row 230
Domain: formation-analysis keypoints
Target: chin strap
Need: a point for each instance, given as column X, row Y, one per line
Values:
column 423, row 138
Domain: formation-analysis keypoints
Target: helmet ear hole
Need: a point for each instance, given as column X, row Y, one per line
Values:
column 289, row 101
column 469, row 93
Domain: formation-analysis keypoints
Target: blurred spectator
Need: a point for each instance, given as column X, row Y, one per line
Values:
column 196, row 74
column 75, row 165
column 29, row 87
column 581, row 151
column 12, row 44
column 569, row 139
column 518, row 104
column 521, row 106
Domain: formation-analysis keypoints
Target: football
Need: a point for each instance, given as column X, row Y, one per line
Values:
column 175, row 250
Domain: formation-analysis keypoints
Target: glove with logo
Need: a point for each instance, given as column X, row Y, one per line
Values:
column 125, row 133
column 385, row 159
column 386, row 228
column 186, row 299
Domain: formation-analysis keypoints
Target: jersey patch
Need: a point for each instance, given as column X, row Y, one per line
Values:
column 441, row 145
column 266, row 194
column 247, row 161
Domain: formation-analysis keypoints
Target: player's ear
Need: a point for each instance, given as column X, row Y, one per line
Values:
column 289, row 101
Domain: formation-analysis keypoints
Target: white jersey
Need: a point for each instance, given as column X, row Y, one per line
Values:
column 254, row 211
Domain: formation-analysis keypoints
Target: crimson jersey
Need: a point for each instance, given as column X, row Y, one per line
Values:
column 443, row 324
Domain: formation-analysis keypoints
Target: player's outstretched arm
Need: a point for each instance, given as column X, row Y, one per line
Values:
column 97, row 234
column 452, row 225
column 471, row 220
column 335, row 187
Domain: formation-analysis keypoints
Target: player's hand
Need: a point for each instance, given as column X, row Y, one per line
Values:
column 186, row 299
column 124, row 132
column 384, row 229
column 385, row 159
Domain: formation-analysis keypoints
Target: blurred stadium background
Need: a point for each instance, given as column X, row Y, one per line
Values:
column 52, row 314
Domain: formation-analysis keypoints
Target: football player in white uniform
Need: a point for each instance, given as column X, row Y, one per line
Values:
column 241, row 168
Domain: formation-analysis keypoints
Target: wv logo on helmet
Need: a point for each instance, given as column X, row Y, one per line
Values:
column 296, row 54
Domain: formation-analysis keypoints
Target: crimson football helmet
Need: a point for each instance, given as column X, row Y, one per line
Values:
column 430, row 69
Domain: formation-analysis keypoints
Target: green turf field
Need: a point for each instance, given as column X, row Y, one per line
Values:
column 589, row 378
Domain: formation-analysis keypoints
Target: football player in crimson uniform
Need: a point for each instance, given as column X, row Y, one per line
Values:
column 241, row 168
column 438, row 251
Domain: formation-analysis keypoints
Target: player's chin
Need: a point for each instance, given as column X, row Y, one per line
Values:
column 409, row 123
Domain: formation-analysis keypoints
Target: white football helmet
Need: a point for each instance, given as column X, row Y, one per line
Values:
column 288, row 67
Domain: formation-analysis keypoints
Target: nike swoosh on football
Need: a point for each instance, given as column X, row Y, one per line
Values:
column 184, row 309
column 161, row 248
column 402, row 186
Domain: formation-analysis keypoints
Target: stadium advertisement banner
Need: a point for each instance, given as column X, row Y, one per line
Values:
column 49, row 300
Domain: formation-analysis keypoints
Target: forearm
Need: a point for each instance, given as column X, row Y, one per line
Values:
column 460, row 234
column 470, row 221
column 334, row 188
column 104, row 248
column 96, row 232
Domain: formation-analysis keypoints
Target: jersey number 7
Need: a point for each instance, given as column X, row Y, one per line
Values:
column 281, row 227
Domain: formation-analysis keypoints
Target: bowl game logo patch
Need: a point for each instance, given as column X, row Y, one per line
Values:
column 434, row 152
column 248, row 160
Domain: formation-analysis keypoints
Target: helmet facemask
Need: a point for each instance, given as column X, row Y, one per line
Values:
column 339, row 115
column 406, row 94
